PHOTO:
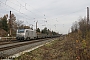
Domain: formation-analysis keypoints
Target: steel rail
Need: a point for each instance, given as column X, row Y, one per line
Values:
column 18, row 45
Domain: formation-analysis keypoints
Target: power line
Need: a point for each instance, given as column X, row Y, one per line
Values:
column 24, row 7
column 27, row 9
column 15, row 9
column 28, row 5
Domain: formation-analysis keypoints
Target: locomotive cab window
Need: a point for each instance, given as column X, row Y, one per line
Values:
column 26, row 30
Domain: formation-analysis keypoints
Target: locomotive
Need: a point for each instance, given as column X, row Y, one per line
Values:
column 27, row 34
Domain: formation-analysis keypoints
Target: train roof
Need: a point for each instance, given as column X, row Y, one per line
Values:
column 27, row 29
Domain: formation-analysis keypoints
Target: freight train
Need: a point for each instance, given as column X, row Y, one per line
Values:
column 27, row 34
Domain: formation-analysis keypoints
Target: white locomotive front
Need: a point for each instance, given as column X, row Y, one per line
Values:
column 24, row 34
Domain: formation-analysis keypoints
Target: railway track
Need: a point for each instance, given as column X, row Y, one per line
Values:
column 4, row 43
column 13, row 41
column 14, row 46
column 18, row 45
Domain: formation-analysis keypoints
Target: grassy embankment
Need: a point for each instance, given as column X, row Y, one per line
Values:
column 66, row 48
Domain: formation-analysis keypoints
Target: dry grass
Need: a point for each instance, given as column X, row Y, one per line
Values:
column 62, row 49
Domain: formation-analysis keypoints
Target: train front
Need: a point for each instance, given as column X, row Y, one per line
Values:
column 20, row 35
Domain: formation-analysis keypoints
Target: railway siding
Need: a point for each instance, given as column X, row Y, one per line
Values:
column 7, row 38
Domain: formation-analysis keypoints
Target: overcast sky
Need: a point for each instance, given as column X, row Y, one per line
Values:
column 56, row 15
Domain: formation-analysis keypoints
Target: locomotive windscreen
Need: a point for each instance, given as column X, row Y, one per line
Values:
column 21, row 30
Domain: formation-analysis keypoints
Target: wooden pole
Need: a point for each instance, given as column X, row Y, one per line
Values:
column 10, row 24
column 87, row 15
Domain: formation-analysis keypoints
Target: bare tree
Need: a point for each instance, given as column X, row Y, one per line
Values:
column 19, row 23
column 75, row 27
column 13, row 21
column 81, row 26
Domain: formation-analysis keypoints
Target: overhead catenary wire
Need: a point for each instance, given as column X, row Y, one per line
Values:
column 17, row 10
column 26, row 4
column 27, row 9
column 62, row 15
column 20, row 8
column 34, row 17
column 31, row 6
column 14, row 13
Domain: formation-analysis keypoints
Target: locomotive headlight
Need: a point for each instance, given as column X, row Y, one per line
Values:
column 23, row 33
